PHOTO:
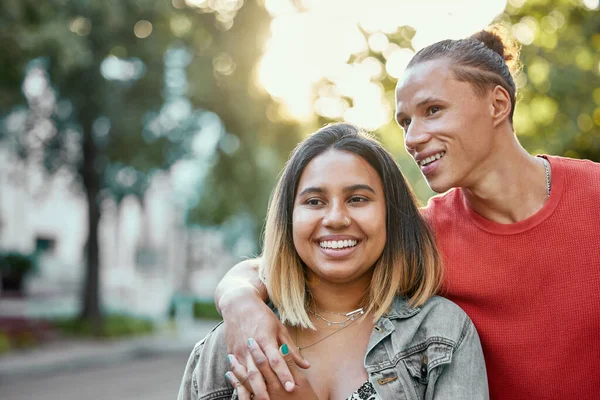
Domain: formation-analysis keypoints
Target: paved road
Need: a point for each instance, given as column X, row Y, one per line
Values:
column 148, row 378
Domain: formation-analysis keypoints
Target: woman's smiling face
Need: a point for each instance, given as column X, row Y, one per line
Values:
column 339, row 217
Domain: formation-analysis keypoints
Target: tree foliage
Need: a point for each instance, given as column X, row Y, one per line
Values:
column 559, row 107
column 181, row 69
column 134, row 86
column 558, row 101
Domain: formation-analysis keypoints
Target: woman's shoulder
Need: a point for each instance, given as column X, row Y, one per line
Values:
column 206, row 367
column 438, row 317
column 439, row 304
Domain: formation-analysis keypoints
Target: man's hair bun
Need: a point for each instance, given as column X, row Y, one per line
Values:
column 496, row 39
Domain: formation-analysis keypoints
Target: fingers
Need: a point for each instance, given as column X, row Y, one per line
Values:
column 293, row 350
column 251, row 380
column 288, row 358
column 263, row 363
column 255, row 379
column 243, row 393
column 239, row 371
column 274, row 368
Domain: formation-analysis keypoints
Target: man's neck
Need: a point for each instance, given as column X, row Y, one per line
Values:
column 512, row 190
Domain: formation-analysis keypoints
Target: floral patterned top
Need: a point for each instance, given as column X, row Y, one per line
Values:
column 365, row 392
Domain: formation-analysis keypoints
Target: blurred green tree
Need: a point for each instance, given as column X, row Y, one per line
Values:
column 107, row 98
column 559, row 107
column 115, row 90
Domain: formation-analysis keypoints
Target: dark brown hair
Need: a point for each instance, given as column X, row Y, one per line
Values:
column 485, row 60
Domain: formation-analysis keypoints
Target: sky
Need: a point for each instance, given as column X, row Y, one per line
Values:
column 317, row 41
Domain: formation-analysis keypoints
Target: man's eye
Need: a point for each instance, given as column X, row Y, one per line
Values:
column 404, row 123
column 434, row 109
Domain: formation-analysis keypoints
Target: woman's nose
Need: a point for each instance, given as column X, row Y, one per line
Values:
column 336, row 218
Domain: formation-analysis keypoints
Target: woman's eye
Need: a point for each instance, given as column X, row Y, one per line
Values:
column 313, row 202
column 357, row 199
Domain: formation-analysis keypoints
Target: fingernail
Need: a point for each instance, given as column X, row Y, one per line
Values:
column 227, row 376
column 250, row 342
column 230, row 358
column 284, row 349
column 289, row 386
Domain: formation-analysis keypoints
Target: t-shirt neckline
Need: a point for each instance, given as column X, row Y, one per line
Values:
column 558, row 179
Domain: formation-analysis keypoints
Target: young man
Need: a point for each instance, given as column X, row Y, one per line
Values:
column 520, row 235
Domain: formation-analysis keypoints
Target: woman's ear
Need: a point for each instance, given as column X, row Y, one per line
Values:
column 500, row 105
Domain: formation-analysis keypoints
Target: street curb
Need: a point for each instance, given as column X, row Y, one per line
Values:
column 95, row 354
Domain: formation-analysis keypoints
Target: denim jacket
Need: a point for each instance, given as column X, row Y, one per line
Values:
column 428, row 352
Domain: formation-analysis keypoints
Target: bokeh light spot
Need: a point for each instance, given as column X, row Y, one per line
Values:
column 538, row 70
column 597, row 116
column 543, row 110
column 142, row 29
column 525, row 30
column 81, row 26
column 590, row 4
column 223, row 64
column 585, row 122
column 516, row 3
column 180, row 25
column 196, row 3
column 378, row 42
column 584, row 59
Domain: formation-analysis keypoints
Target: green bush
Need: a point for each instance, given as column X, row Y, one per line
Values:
column 202, row 309
column 113, row 326
column 5, row 345
column 16, row 263
column 25, row 340
column 13, row 269
column 206, row 310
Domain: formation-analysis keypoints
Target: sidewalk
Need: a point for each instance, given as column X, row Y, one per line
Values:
column 74, row 354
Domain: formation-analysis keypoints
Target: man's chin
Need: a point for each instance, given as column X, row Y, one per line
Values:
column 437, row 186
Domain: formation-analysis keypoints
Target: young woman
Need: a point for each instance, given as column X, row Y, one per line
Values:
column 351, row 268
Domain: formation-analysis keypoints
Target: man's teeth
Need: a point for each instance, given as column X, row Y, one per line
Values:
column 431, row 159
column 338, row 244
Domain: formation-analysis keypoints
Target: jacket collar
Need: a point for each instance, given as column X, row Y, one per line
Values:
column 400, row 309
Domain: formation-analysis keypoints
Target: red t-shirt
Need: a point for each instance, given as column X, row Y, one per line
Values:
column 532, row 288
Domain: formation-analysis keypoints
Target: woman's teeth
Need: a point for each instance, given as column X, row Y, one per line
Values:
column 338, row 244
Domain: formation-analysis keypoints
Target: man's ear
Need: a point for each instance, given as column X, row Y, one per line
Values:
column 500, row 106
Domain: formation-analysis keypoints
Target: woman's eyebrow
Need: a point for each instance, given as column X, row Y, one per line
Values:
column 354, row 188
column 311, row 189
column 351, row 188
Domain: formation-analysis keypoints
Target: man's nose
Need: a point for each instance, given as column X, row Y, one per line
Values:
column 414, row 136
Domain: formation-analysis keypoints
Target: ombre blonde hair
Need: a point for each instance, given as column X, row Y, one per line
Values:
column 409, row 265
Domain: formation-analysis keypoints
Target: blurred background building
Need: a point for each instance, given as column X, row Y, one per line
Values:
column 147, row 251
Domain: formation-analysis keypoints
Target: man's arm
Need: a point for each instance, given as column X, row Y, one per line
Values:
column 242, row 280
column 240, row 298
